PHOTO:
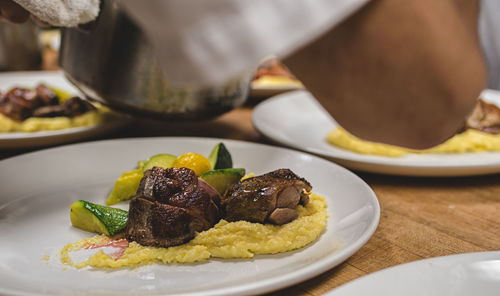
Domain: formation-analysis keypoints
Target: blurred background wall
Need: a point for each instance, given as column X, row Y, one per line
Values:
column 28, row 47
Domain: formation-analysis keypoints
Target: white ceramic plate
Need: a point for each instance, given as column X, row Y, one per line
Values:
column 455, row 275
column 297, row 120
column 37, row 189
column 45, row 138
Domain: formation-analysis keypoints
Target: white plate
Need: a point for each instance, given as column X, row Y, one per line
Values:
column 297, row 120
column 37, row 189
column 455, row 275
column 45, row 138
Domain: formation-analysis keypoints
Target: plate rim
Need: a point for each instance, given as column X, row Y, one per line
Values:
column 462, row 257
column 8, row 140
column 273, row 284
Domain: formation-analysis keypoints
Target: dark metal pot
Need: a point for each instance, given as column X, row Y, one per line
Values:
column 112, row 61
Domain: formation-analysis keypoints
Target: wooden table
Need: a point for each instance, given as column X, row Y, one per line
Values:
column 420, row 217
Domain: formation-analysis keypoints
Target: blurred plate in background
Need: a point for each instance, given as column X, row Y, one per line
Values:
column 454, row 275
column 297, row 120
column 13, row 140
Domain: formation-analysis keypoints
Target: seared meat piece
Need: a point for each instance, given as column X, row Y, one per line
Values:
column 46, row 96
column 485, row 117
column 21, row 103
column 214, row 195
column 170, row 206
column 72, row 107
column 282, row 216
column 272, row 197
column 18, row 103
column 152, row 223
column 49, row 111
column 77, row 106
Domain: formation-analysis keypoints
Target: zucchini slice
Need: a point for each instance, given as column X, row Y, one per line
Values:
column 220, row 158
column 223, row 178
column 159, row 160
column 96, row 218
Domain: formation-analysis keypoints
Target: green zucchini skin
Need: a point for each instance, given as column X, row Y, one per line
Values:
column 221, row 179
column 220, row 158
column 159, row 160
column 97, row 218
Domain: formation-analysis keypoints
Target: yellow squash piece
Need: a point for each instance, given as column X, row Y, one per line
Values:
column 197, row 162
column 125, row 187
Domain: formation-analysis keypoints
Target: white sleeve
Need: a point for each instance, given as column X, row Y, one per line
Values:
column 207, row 42
column 489, row 34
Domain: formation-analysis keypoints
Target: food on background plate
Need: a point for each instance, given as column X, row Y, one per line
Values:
column 481, row 134
column 272, row 73
column 485, row 117
column 176, row 216
column 45, row 109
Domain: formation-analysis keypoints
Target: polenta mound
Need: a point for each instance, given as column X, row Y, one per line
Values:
column 469, row 141
column 239, row 239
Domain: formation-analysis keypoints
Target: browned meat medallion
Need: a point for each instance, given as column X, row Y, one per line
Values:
column 170, row 206
column 20, row 103
column 485, row 117
column 272, row 197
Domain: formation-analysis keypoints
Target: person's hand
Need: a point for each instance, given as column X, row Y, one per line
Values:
column 13, row 12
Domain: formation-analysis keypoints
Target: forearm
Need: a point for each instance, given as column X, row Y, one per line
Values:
column 399, row 72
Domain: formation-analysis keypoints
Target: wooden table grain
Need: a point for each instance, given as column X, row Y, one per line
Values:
column 420, row 217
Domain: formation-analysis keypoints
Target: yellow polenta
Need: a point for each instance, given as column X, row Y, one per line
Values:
column 36, row 124
column 468, row 141
column 239, row 239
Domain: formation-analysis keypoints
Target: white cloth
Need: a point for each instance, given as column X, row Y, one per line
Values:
column 206, row 42
column 489, row 34
column 63, row 13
